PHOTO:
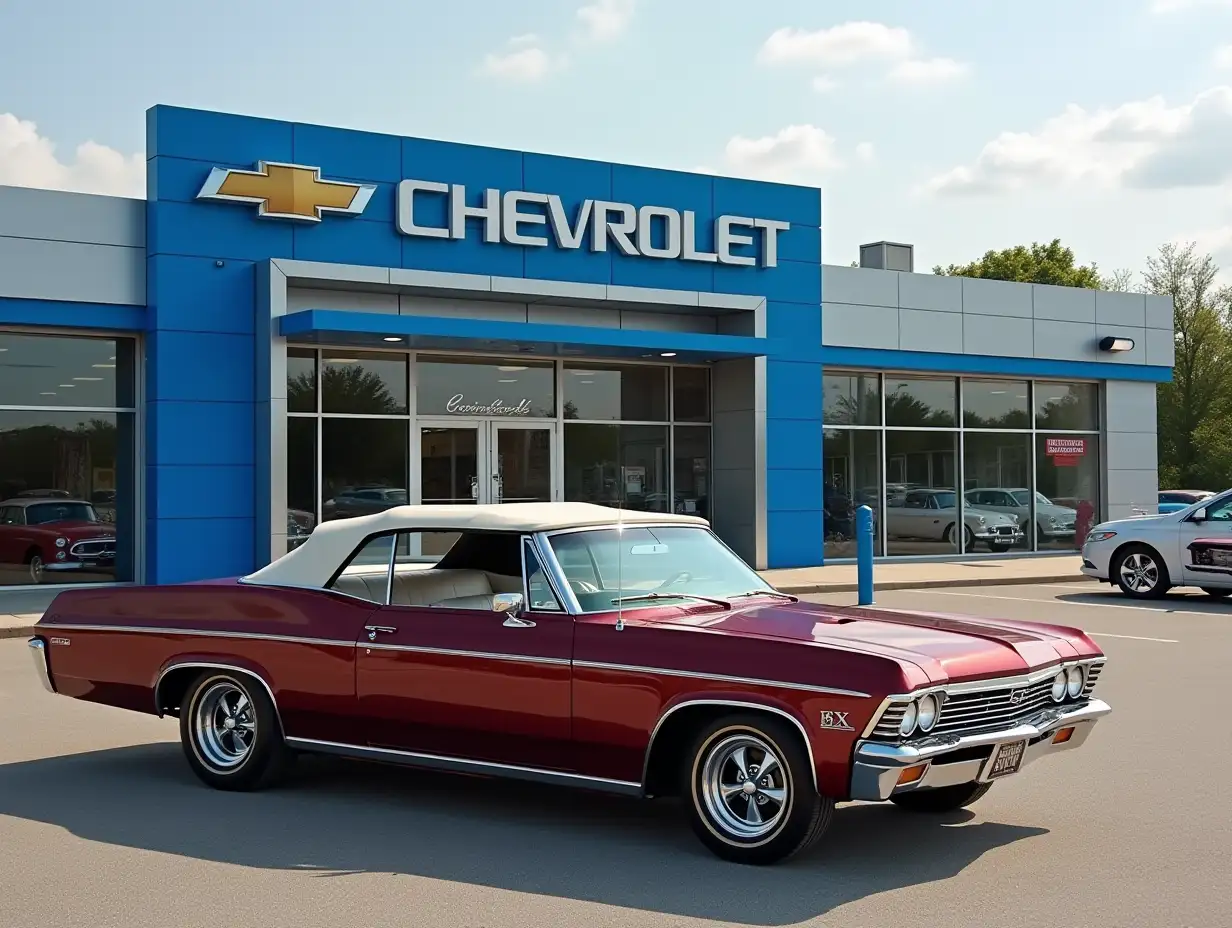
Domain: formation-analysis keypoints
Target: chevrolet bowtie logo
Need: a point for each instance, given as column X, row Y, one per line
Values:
column 286, row 191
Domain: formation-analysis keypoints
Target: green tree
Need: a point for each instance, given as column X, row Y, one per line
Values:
column 1195, row 448
column 1036, row 264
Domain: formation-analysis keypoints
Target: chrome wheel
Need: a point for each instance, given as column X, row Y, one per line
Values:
column 745, row 787
column 224, row 725
column 36, row 569
column 1139, row 573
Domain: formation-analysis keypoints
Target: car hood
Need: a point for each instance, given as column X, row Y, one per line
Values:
column 948, row 648
column 1134, row 523
column 1061, row 512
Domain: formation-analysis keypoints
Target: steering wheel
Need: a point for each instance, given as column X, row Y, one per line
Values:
column 683, row 577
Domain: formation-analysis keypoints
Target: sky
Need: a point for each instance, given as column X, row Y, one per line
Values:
column 956, row 126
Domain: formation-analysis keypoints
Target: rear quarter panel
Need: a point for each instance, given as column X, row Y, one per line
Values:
column 626, row 681
column 111, row 646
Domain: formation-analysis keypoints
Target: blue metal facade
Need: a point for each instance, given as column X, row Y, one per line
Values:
column 202, row 269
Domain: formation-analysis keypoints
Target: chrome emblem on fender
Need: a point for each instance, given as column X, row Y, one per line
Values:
column 63, row 641
column 835, row 721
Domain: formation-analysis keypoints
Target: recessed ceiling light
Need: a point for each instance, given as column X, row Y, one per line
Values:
column 47, row 394
column 510, row 380
column 997, row 392
column 68, row 384
column 392, row 338
column 87, row 378
column 582, row 373
column 102, row 365
column 510, row 368
column 3, row 349
column 112, row 358
column 342, row 360
column 585, row 381
column 667, row 354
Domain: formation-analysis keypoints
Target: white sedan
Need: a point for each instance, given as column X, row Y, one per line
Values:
column 1147, row 556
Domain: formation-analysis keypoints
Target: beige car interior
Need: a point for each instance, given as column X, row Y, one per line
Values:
column 449, row 589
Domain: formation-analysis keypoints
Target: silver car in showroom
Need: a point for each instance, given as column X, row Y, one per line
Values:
column 932, row 514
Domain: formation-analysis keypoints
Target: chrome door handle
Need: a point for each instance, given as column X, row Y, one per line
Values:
column 514, row 622
column 373, row 629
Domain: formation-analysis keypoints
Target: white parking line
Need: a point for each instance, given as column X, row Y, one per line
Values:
column 1064, row 602
column 1133, row 637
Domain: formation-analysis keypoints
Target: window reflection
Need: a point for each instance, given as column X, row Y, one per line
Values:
column 692, row 470
column 301, row 380
column 921, row 495
column 66, row 494
column 691, row 394
column 301, row 479
column 852, row 469
column 58, row 370
column 617, row 465
column 852, row 399
column 996, row 404
column 363, row 383
column 364, row 466
column 478, row 387
column 1067, row 406
column 997, row 477
column 921, row 402
column 1067, row 471
column 633, row 392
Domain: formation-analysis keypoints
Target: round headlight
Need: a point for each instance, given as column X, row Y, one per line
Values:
column 907, row 725
column 926, row 714
column 1076, row 681
column 61, row 542
column 1059, row 684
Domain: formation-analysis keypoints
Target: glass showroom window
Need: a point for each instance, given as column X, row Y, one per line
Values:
column 67, row 459
column 1025, row 455
column 347, row 435
column 620, row 432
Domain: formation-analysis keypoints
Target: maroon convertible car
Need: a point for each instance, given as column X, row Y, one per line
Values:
column 579, row 645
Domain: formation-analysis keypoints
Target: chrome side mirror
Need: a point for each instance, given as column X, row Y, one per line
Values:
column 1199, row 515
column 508, row 602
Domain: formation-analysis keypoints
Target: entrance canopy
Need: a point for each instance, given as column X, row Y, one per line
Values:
column 384, row 330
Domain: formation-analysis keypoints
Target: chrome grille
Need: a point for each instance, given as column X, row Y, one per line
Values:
column 97, row 547
column 985, row 710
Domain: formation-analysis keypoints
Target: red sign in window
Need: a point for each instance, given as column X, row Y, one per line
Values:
column 1065, row 452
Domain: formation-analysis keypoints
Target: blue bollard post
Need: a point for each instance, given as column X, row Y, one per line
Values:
column 864, row 554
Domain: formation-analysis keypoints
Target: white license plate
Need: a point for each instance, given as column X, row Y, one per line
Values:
column 1007, row 760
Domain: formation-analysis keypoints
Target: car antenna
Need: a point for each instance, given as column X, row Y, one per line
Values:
column 620, row 577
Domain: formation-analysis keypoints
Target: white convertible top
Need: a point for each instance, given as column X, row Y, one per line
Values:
column 331, row 543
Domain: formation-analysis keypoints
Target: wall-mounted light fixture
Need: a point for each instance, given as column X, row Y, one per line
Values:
column 1115, row 343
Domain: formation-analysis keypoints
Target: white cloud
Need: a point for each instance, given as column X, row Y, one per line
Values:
column 1179, row 6
column 865, row 151
column 605, row 20
column 1223, row 56
column 1143, row 144
column 797, row 153
column 928, row 71
column 823, row 83
column 28, row 159
column 524, row 61
column 845, row 44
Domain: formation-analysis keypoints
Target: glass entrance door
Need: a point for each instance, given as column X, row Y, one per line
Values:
column 486, row 462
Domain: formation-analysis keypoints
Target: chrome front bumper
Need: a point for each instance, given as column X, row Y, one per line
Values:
column 953, row 759
column 38, row 651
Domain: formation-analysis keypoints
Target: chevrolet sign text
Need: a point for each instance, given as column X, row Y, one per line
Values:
column 517, row 217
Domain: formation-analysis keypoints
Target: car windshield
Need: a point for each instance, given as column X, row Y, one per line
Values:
column 1022, row 498
column 944, row 500
column 44, row 513
column 631, row 564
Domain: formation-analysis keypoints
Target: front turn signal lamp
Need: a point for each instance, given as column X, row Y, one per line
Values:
column 1063, row 735
column 912, row 774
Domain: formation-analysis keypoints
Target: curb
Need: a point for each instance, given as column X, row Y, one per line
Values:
column 930, row 584
column 19, row 631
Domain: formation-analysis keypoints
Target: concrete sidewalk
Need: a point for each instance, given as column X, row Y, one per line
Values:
column 19, row 610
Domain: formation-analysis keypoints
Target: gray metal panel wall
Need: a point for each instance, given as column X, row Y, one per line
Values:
column 1131, row 480
column 71, row 247
column 873, row 308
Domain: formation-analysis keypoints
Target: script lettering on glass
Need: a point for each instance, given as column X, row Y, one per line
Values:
column 459, row 406
column 519, row 217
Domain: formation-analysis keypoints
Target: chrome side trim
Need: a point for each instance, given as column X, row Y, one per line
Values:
column 482, row 655
column 209, row 665
column 733, row 704
column 38, row 652
column 465, row 765
column 720, row 678
column 204, row 633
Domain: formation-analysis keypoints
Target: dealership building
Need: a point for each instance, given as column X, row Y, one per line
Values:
column 301, row 323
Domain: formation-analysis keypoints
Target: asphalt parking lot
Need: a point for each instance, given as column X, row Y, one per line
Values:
column 102, row 824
